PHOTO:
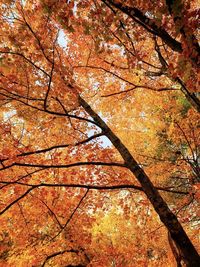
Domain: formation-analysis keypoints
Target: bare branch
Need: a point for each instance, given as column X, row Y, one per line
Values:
column 60, row 146
column 51, row 166
column 51, row 74
column 27, row 59
column 140, row 86
column 51, row 211
column 57, row 254
column 99, row 187
column 17, row 199
column 72, row 214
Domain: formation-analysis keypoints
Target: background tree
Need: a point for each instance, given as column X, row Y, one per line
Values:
column 72, row 180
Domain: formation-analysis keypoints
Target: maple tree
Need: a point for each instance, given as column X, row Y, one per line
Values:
column 100, row 133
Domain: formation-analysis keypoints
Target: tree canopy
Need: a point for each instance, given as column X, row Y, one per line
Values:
column 100, row 133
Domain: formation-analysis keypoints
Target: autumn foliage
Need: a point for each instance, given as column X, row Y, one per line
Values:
column 100, row 133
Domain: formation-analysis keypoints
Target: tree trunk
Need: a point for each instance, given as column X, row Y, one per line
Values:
column 168, row 218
